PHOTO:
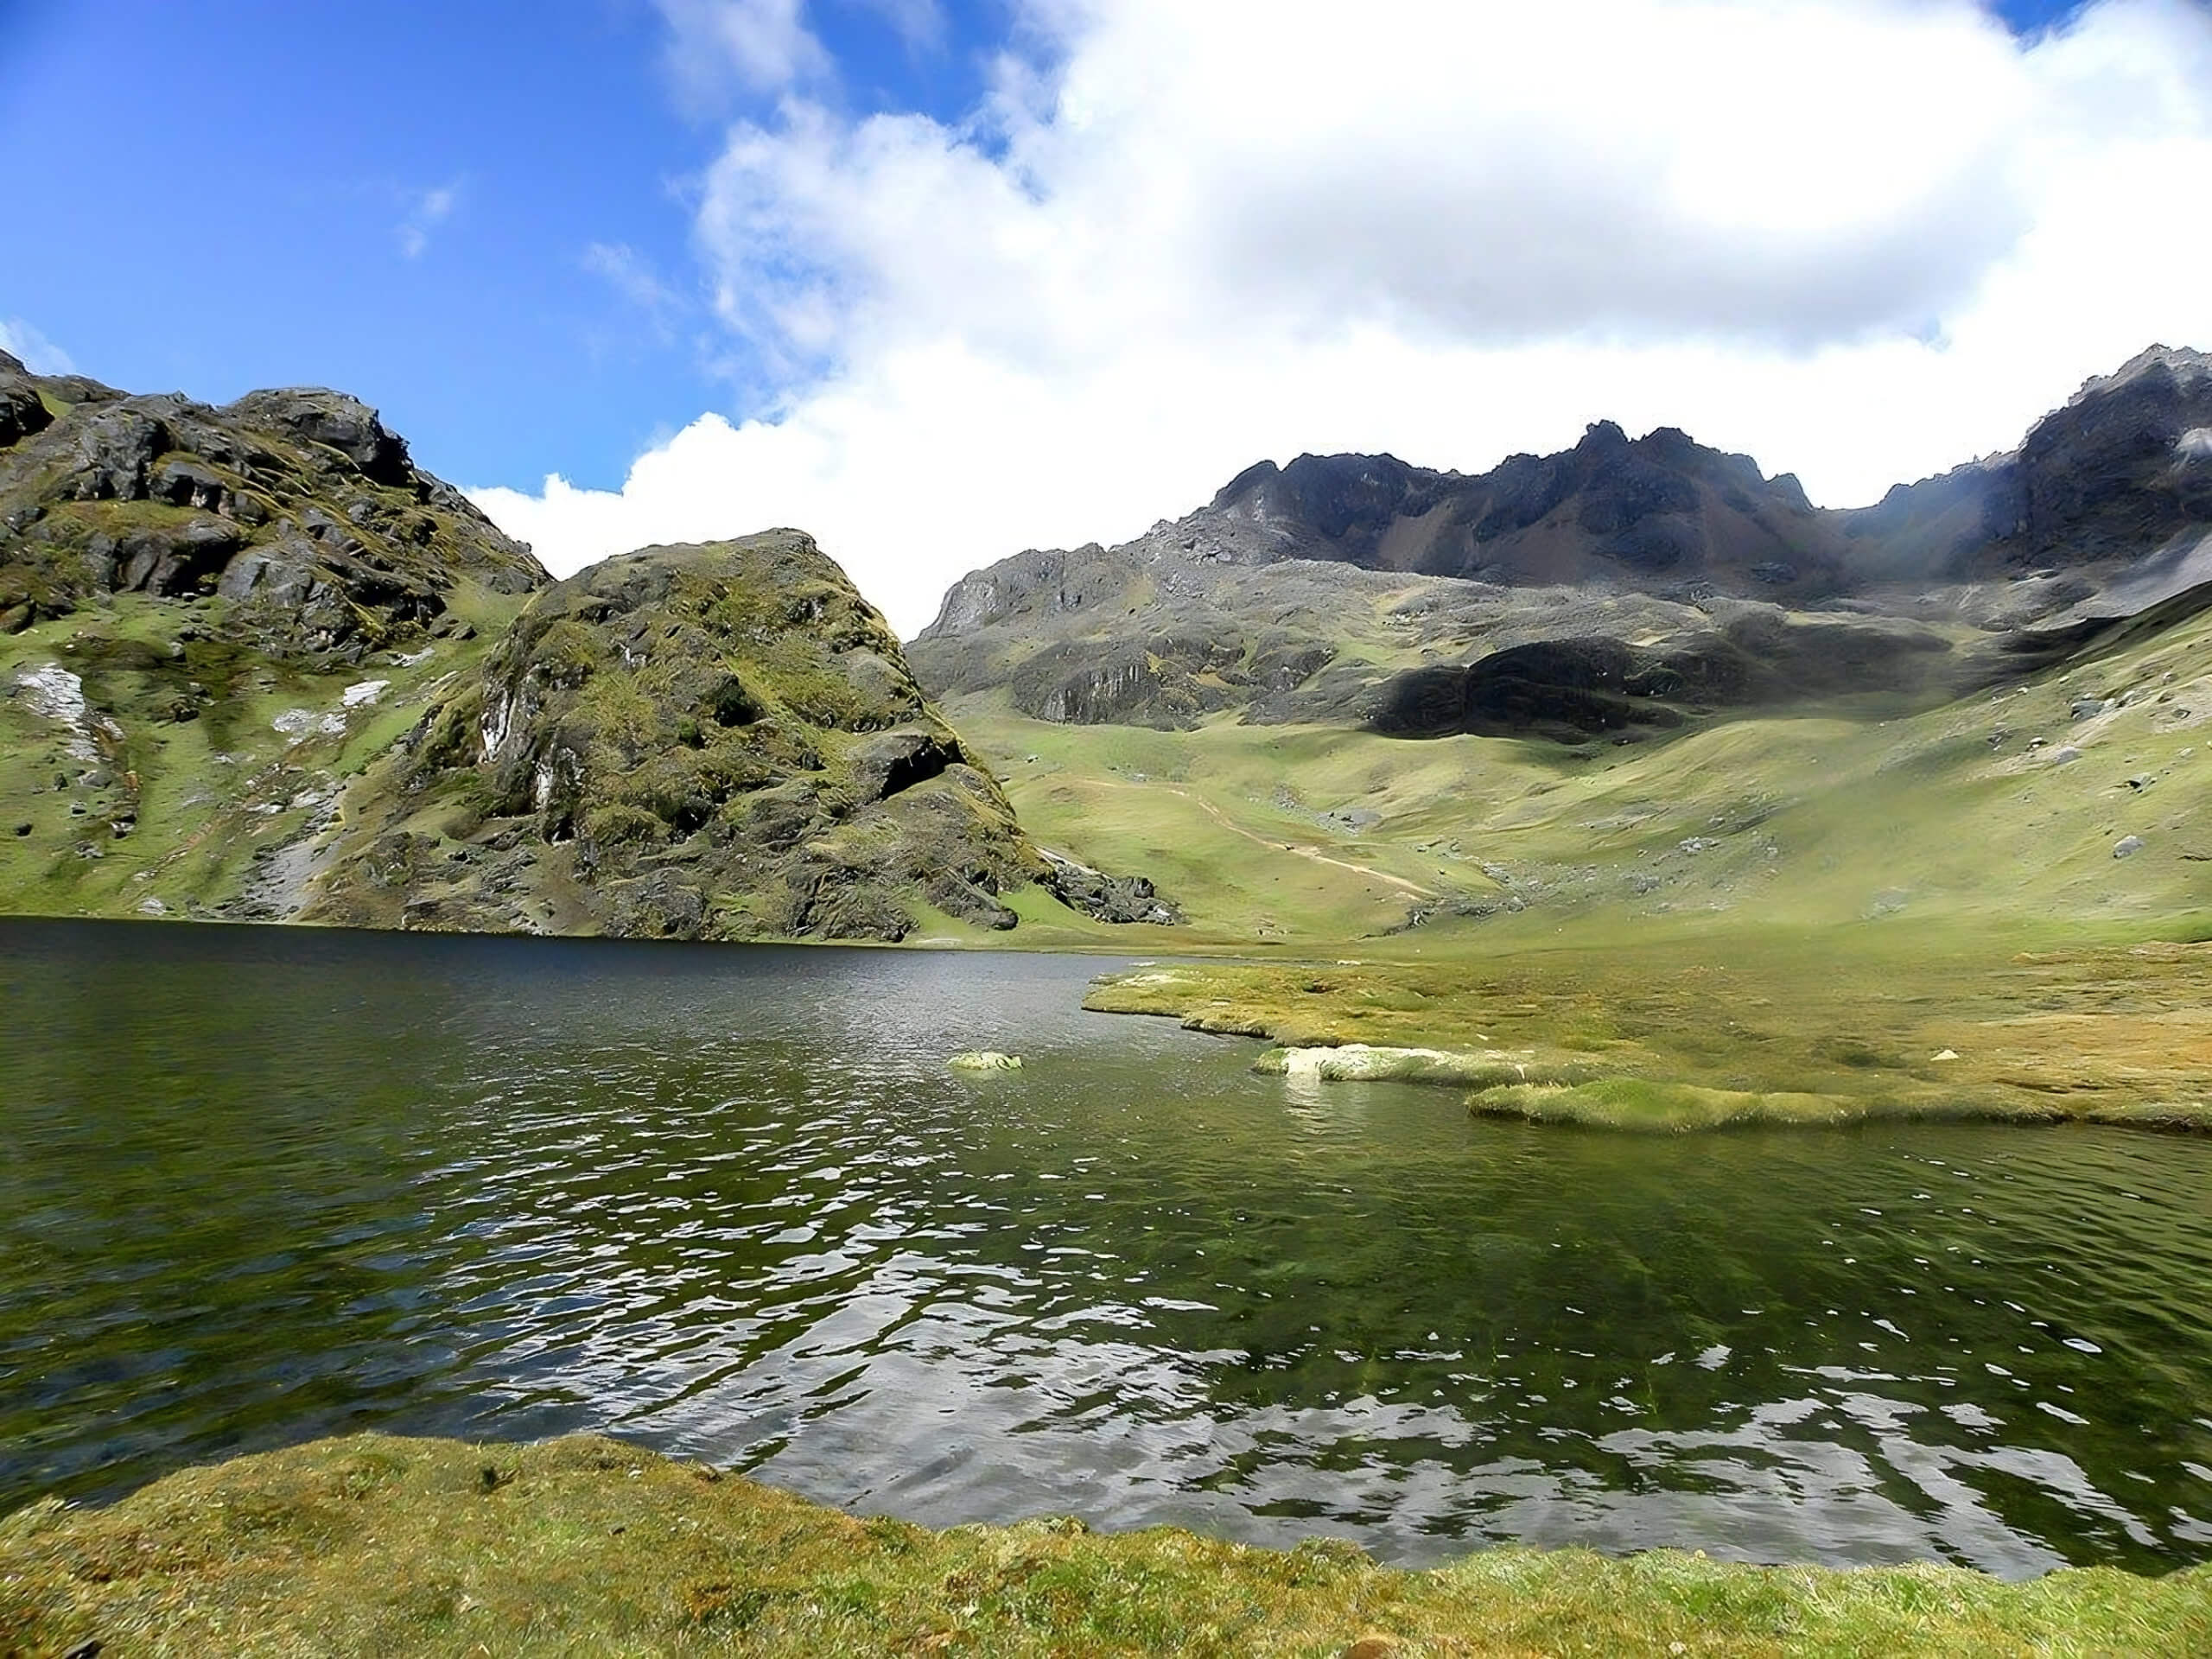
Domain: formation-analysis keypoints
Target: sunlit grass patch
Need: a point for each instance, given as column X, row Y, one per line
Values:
column 1716, row 1026
column 587, row 1546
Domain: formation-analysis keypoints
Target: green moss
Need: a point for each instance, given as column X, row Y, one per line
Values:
column 2180, row 1116
column 584, row 1544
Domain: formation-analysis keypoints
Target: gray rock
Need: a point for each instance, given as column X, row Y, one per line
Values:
column 22, row 411
column 2065, row 756
column 884, row 766
column 1109, row 898
column 114, row 449
column 985, row 1059
column 185, row 483
column 331, row 420
column 2128, row 845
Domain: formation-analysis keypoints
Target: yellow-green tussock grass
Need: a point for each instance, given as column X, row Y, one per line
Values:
column 583, row 1545
column 1806, row 1026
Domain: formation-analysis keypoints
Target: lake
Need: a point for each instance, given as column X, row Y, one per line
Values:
column 264, row 1185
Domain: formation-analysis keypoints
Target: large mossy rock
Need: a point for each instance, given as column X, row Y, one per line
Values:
column 711, row 741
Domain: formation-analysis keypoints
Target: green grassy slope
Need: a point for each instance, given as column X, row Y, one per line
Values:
column 2002, row 804
column 200, row 760
column 1809, row 918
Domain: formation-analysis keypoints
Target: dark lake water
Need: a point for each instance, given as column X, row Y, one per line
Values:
column 257, row 1186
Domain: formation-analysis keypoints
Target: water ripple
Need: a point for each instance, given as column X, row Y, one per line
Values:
column 731, row 1203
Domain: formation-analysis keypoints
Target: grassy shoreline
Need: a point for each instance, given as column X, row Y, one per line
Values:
column 373, row 1543
column 1697, row 1031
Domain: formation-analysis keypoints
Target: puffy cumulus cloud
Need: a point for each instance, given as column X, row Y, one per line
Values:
column 1860, row 240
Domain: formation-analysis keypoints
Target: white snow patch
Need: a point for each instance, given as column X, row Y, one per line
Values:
column 2196, row 444
column 367, row 692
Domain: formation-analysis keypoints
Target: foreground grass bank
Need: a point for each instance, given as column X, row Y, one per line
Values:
column 373, row 1544
column 1703, row 1028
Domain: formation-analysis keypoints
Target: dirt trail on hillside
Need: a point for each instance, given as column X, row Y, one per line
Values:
column 1235, row 828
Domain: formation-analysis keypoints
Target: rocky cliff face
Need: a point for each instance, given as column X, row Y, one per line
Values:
column 210, row 620
column 297, row 507
column 1303, row 591
column 2120, row 475
column 1655, row 511
column 712, row 741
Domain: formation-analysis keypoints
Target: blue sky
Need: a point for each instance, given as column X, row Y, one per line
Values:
column 224, row 196
column 939, row 279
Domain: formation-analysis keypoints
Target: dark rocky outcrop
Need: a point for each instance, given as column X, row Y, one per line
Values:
column 1574, row 687
column 1659, row 509
column 1110, row 898
column 2122, row 472
column 710, row 741
column 295, row 517
column 22, row 411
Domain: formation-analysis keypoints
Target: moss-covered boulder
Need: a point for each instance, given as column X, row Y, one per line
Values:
column 704, row 741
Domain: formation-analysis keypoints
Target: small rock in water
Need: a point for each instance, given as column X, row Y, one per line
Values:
column 985, row 1059
column 2127, row 846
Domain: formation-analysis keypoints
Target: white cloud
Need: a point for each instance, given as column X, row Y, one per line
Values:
column 426, row 211
column 631, row 275
column 761, row 46
column 33, row 349
column 1861, row 239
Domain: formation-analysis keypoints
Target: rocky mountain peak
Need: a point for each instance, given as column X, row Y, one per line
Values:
column 294, row 518
column 2185, row 367
column 720, row 739
column 331, row 420
column 2110, row 483
column 2108, row 501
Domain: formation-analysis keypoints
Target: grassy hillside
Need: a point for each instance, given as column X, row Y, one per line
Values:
column 1986, row 908
column 2004, row 805
column 196, row 771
